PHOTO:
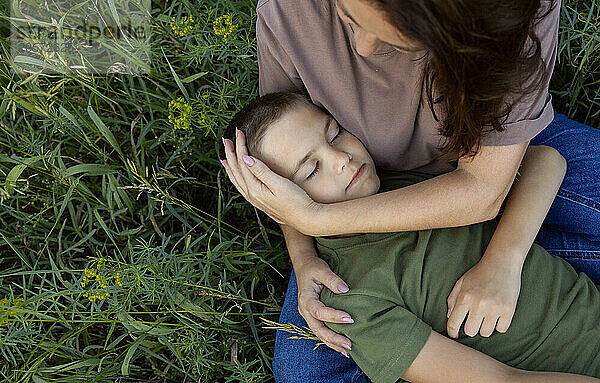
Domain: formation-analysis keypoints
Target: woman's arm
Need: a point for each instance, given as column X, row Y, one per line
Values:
column 444, row 360
column 488, row 292
column 470, row 194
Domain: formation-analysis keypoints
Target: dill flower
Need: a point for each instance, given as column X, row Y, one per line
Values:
column 10, row 311
column 183, row 26
column 96, row 276
column 89, row 273
column 223, row 26
column 93, row 295
column 180, row 113
column 118, row 280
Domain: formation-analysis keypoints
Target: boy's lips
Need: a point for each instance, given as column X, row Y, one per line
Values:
column 359, row 172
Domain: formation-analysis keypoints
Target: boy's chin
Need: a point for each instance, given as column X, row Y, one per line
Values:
column 373, row 189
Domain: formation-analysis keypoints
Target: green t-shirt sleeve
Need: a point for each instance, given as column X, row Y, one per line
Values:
column 386, row 337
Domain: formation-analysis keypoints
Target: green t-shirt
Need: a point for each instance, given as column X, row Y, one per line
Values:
column 399, row 283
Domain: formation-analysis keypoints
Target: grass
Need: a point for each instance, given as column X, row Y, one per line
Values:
column 125, row 252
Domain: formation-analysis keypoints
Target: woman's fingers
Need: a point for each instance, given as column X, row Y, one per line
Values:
column 262, row 174
column 327, row 314
column 240, row 152
column 332, row 339
column 234, row 171
column 332, row 281
column 230, row 175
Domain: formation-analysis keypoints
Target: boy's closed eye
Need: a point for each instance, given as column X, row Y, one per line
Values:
column 316, row 169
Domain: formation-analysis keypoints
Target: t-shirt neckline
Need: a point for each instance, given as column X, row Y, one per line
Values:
column 342, row 242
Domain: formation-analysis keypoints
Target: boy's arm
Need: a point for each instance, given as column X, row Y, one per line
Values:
column 488, row 292
column 530, row 198
column 444, row 360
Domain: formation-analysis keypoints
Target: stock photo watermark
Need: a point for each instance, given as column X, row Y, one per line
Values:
column 86, row 37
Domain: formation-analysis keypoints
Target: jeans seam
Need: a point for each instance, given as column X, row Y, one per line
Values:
column 579, row 199
column 570, row 253
column 358, row 374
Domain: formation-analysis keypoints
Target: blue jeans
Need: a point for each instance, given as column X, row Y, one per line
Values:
column 571, row 230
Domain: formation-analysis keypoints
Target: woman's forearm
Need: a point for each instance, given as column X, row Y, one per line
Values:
column 452, row 199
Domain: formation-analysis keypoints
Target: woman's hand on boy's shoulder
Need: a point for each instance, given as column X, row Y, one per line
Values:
column 312, row 276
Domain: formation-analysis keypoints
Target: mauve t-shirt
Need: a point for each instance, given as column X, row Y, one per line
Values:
column 303, row 46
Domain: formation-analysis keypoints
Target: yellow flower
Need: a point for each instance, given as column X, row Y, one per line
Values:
column 90, row 273
column 180, row 113
column 118, row 279
column 96, row 294
column 223, row 26
column 183, row 26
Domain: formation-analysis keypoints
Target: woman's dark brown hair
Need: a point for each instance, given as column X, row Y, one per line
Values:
column 478, row 55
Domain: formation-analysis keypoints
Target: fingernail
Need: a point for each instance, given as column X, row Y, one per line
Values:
column 236, row 132
column 346, row 346
column 248, row 160
column 347, row 320
column 223, row 139
column 221, row 161
column 343, row 288
column 448, row 314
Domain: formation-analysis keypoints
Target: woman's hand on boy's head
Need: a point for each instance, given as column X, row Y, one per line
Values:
column 278, row 197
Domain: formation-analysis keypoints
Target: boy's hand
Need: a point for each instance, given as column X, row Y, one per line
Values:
column 488, row 294
column 278, row 197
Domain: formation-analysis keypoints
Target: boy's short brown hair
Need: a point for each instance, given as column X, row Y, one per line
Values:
column 254, row 118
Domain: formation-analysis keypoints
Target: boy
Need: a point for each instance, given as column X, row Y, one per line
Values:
column 400, row 281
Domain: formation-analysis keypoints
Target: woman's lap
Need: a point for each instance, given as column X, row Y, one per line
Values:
column 296, row 361
column 571, row 230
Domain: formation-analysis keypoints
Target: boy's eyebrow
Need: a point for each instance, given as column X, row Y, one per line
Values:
column 310, row 153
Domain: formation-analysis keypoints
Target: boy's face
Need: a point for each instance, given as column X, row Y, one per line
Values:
column 309, row 148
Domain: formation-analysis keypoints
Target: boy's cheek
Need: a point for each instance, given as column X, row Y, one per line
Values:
column 323, row 195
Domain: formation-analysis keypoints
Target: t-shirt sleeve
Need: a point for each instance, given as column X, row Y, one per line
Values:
column 532, row 113
column 386, row 337
column 276, row 72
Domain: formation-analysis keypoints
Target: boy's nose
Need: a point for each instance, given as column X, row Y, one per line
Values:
column 343, row 158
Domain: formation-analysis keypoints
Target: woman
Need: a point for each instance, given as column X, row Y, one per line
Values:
column 423, row 85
